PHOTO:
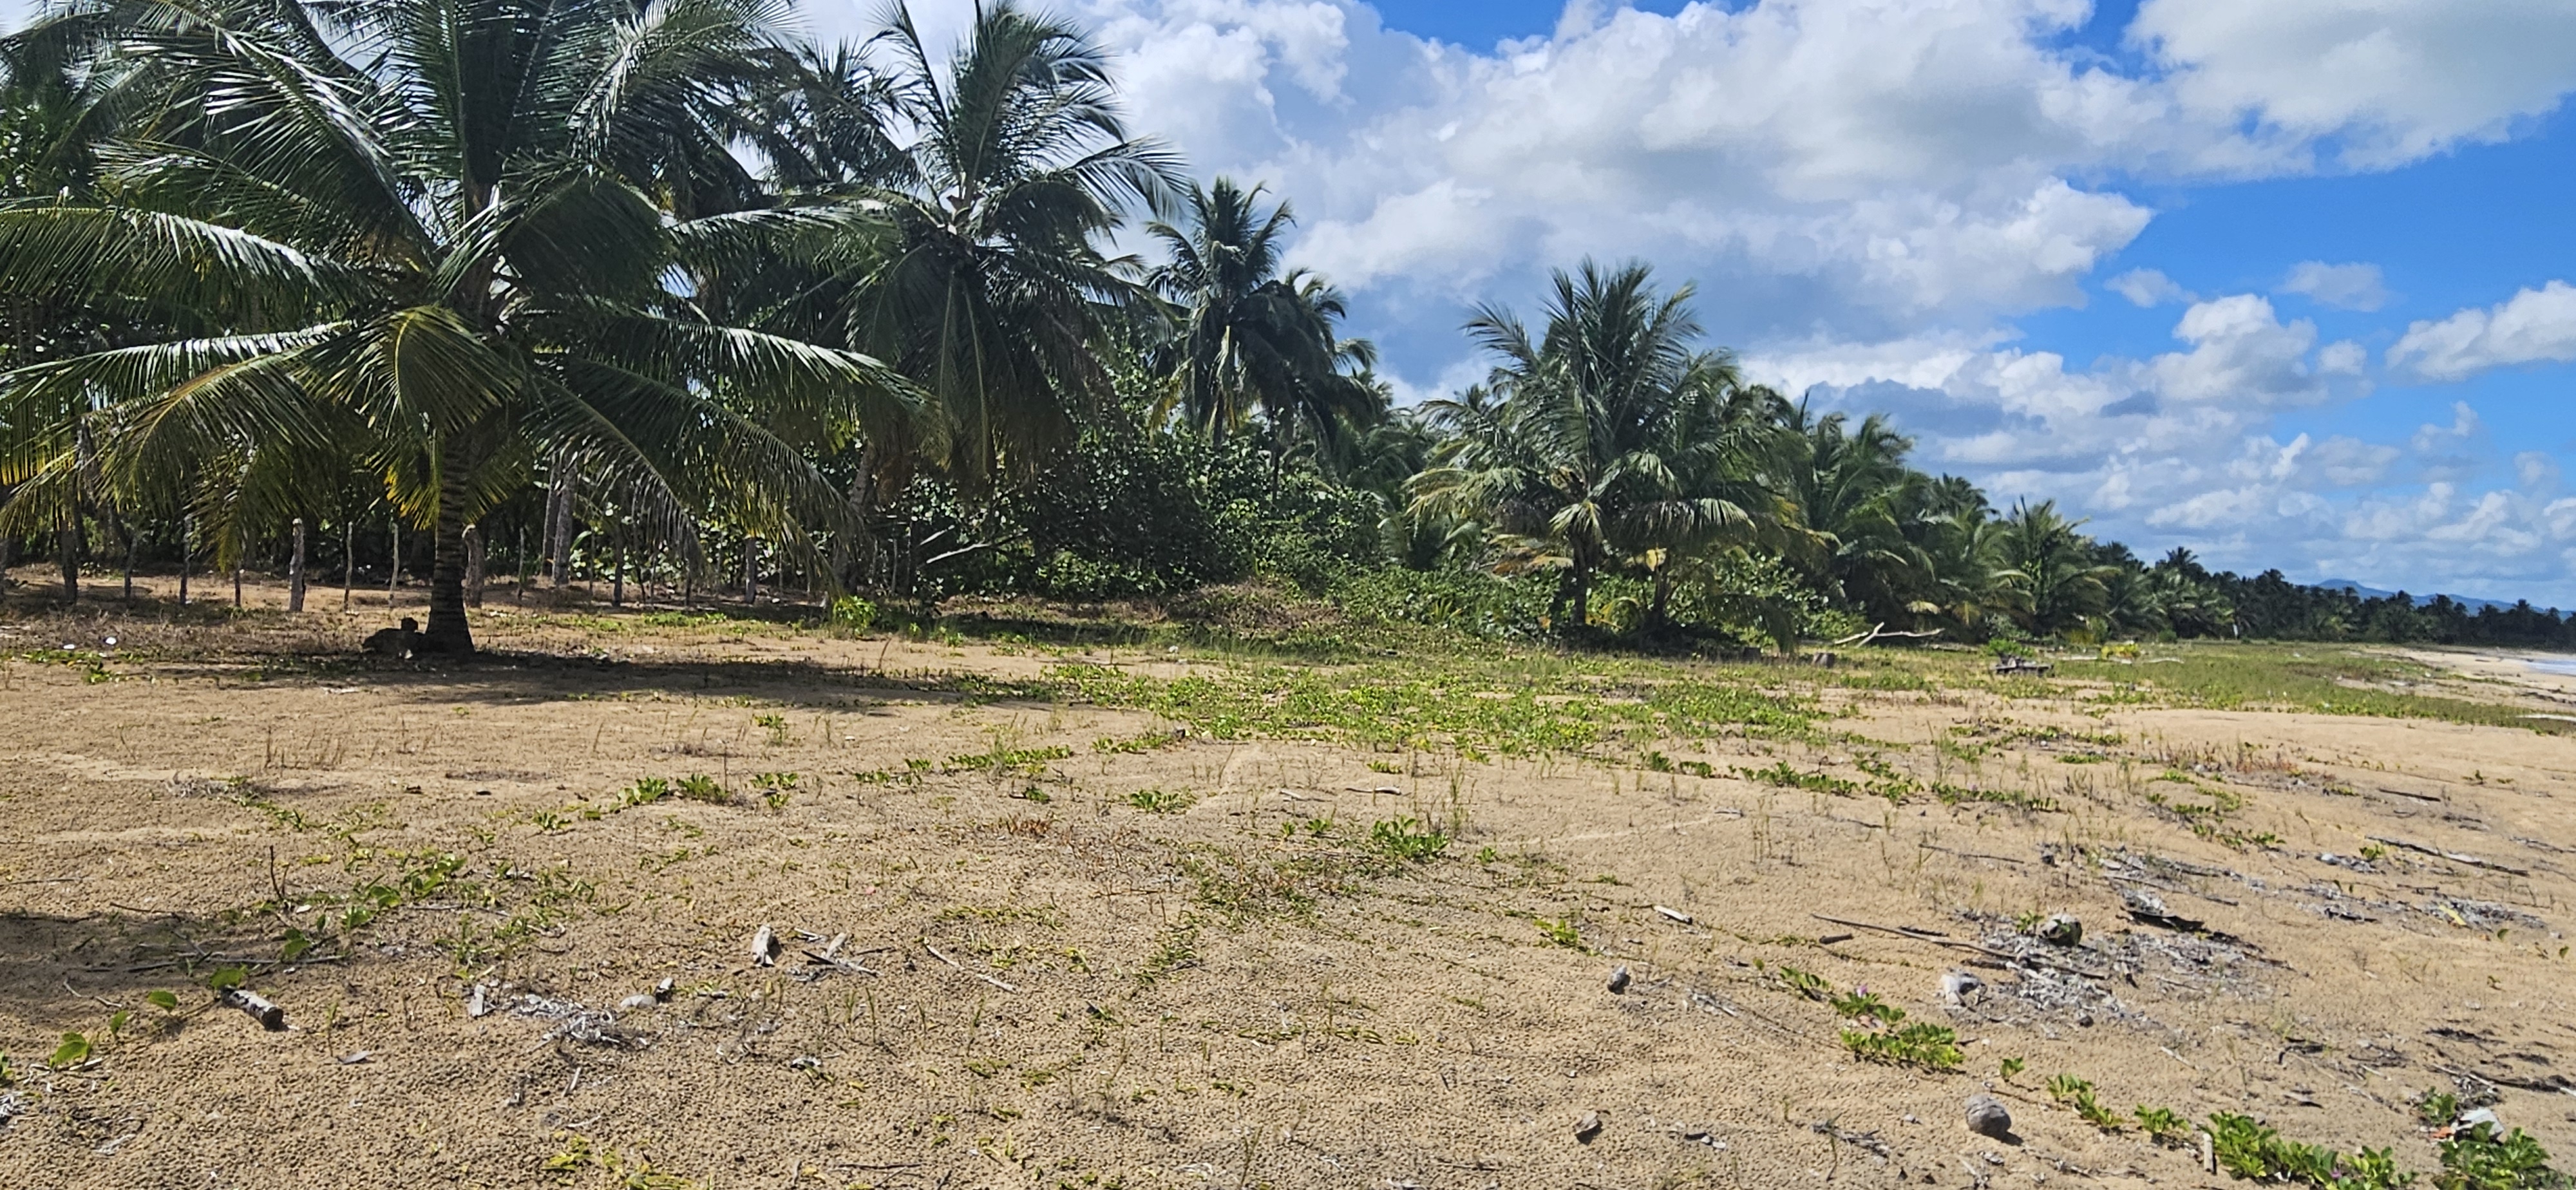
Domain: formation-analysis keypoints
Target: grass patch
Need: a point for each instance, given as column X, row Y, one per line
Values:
column 1515, row 706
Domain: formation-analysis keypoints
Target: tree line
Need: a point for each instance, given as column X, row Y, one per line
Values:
column 656, row 291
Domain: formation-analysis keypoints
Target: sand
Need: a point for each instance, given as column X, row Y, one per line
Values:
column 977, row 987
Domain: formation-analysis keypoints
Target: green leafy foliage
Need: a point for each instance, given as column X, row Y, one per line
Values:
column 1406, row 839
column 1922, row 1045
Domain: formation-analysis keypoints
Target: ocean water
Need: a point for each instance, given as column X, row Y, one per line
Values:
column 2552, row 665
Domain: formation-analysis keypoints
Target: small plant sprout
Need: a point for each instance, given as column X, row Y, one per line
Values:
column 1406, row 839
column 775, row 788
column 1561, row 931
column 776, row 726
column 699, row 787
column 1864, row 1004
column 1158, row 801
column 2164, row 1125
column 2012, row 1067
column 74, row 1050
column 1921, row 1045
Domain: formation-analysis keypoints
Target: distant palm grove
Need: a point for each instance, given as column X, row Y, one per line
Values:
column 652, row 293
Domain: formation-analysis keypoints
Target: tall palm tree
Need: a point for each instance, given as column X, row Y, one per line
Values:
column 1604, row 422
column 429, row 228
column 1250, row 335
column 2061, row 581
column 1851, row 488
column 973, row 261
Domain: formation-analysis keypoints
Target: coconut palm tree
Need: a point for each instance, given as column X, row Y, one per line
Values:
column 1851, row 488
column 434, row 230
column 1606, row 437
column 974, row 261
column 1250, row 335
column 2061, row 581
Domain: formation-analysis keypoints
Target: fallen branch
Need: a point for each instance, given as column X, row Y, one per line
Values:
column 934, row 953
column 2453, row 856
column 2006, row 859
column 2421, row 797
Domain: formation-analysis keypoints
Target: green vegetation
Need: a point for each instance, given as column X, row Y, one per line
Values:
column 1921, row 1045
column 1160, row 801
column 714, row 338
column 1406, row 839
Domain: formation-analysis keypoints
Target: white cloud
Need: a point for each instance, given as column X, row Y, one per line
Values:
column 2147, row 288
column 2535, row 325
column 1859, row 170
column 2385, row 82
column 2343, row 286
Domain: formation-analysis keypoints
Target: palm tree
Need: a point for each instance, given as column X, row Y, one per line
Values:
column 1603, row 425
column 1851, row 487
column 1250, row 335
column 2061, row 581
column 972, row 261
column 428, row 228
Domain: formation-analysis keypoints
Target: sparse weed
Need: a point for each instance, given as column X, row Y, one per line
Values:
column 1921, row 1045
column 1406, row 839
column 1160, row 801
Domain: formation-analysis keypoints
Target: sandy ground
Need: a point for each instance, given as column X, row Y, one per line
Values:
column 1034, row 977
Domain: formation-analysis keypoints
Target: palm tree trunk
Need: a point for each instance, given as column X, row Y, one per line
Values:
column 295, row 571
column 449, row 631
column 559, row 523
column 348, row 562
column 474, row 565
column 1582, row 594
column 187, row 554
column 69, row 546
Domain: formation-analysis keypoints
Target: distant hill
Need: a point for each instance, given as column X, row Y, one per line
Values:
column 2474, row 605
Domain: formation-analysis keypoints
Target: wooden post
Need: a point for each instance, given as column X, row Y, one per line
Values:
column 393, row 573
column 348, row 562
column 187, row 553
column 295, row 571
column 751, row 570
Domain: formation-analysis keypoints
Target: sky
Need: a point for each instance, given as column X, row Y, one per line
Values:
column 2291, row 283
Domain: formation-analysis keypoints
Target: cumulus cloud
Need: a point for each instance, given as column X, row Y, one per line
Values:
column 2387, row 82
column 2343, row 286
column 2533, row 326
column 1866, row 169
column 2147, row 288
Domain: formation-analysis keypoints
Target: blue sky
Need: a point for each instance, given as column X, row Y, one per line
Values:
column 2290, row 283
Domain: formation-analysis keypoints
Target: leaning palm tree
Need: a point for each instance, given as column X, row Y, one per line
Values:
column 426, row 232
column 1251, row 335
column 973, row 259
column 1588, row 461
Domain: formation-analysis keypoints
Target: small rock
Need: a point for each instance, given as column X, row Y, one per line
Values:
column 2061, row 929
column 1587, row 1127
column 1988, row 1117
column 765, row 946
column 2471, row 1119
column 638, row 1000
column 1674, row 914
column 1619, row 980
column 359, row 1058
column 662, row 990
column 1957, row 986
column 2084, row 1020
column 475, row 1005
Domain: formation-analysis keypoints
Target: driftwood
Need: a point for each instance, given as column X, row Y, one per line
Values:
column 934, row 953
column 1879, row 632
column 267, row 1012
column 2453, row 856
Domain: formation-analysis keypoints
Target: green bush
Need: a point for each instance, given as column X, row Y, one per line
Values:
column 851, row 613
